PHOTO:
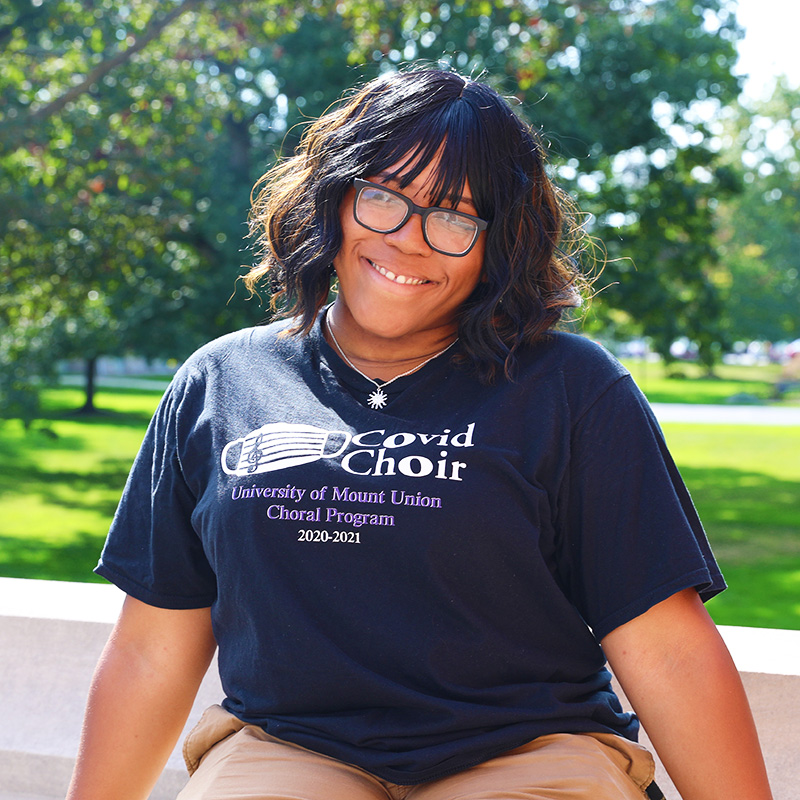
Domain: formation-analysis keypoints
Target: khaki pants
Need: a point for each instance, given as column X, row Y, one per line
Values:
column 229, row 759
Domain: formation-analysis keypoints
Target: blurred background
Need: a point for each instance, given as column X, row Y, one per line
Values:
column 131, row 134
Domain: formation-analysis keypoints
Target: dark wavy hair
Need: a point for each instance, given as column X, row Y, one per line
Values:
column 533, row 242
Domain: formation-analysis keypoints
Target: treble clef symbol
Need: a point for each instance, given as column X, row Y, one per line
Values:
column 254, row 456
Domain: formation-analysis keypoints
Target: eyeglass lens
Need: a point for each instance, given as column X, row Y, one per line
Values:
column 383, row 211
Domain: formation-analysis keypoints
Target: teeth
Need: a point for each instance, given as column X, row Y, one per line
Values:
column 401, row 279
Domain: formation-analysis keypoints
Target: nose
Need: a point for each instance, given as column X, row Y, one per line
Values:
column 409, row 238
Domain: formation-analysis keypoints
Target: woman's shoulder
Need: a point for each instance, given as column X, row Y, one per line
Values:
column 245, row 353
column 574, row 354
column 573, row 367
column 257, row 342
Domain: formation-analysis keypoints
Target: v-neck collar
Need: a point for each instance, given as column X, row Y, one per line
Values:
column 355, row 383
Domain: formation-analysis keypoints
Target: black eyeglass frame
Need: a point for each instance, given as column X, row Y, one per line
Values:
column 412, row 208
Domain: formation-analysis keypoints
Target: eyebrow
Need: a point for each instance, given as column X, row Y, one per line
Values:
column 386, row 178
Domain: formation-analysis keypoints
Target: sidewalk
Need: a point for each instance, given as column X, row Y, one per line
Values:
column 727, row 415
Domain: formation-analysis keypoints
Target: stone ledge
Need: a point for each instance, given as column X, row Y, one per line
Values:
column 53, row 632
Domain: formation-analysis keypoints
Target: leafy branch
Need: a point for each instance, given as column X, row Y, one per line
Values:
column 153, row 30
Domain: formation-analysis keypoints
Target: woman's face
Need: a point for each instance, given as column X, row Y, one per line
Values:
column 393, row 286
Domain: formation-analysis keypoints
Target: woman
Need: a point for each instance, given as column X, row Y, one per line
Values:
column 417, row 521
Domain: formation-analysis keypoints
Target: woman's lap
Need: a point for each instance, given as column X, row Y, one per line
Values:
column 238, row 761
column 247, row 763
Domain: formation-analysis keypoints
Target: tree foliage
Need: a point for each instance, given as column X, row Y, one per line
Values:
column 131, row 135
column 759, row 228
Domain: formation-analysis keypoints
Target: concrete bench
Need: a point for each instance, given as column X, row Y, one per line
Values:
column 51, row 635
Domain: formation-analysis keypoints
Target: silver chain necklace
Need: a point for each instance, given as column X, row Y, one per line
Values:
column 378, row 398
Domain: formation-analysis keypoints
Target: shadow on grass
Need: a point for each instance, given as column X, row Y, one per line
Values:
column 101, row 416
column 18, row 452
column 753, row 524
column 96, row 492
column 747, row 509
column 66, row 489
column 124, row 405
column 97, row 489
column 759, row 596
column 70, row 560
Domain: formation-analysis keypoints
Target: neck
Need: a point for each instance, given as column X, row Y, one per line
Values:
column 382, row 358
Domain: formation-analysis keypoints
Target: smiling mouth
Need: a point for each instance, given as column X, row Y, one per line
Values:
column 404, row 280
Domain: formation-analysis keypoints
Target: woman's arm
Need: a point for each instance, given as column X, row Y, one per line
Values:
column 141, row 694
column 683, row 685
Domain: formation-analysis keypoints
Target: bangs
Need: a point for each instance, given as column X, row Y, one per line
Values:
column 451, row 136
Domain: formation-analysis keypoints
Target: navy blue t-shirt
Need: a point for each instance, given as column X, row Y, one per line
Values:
column 416, row 589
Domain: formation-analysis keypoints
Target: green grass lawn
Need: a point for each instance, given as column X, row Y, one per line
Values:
column 60, row 483
column 745, row 482
column 685, row 382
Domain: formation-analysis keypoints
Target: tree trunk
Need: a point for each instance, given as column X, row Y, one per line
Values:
column 90, row 373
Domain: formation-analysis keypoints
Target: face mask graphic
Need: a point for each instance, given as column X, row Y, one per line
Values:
column 279, row 445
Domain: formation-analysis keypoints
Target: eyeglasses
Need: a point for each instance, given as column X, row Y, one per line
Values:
column 450, row 232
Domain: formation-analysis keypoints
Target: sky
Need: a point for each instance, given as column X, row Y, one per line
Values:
column 769, row 46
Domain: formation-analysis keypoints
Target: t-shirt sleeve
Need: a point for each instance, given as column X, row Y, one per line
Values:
column 630, row 535
column 153, row 552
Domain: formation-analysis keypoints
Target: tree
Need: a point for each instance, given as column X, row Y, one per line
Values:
column 131, row 136
column 640, row 156
column 109, row 131
column 759, row 233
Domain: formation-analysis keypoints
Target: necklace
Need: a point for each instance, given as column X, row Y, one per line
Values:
column 378, row 398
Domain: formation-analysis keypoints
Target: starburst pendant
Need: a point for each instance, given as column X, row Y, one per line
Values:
column 377, row 399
